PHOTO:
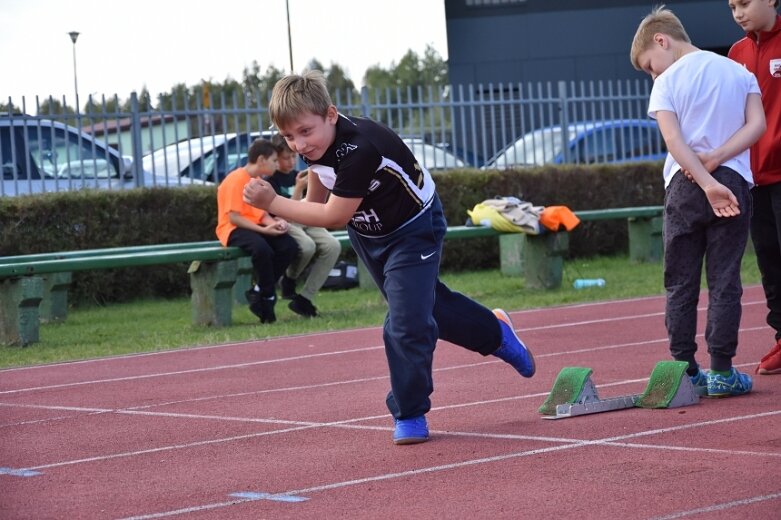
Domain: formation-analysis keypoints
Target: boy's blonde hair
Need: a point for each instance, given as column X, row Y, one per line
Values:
column 661, row 20
column 295, row 95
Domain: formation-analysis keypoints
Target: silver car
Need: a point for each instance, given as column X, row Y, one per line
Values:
column 205, row 160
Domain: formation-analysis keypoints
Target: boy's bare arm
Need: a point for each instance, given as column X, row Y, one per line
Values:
column 265, row 227
column 300, row 186
column 722, row 200
column 315, row 191
column 335, row 213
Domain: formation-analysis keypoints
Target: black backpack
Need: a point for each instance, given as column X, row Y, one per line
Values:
column 344, row 275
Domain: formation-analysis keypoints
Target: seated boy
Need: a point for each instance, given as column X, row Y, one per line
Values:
column 254, row 230
column 319, row 248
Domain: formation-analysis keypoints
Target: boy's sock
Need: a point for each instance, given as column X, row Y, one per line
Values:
column 725, row 373
column 692, row 370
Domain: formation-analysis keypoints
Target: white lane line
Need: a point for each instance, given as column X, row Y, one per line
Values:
column 181, row 350
column 617, row 318
column 349, row 423
column 315, row 335
column 310, row 335
column 316, row 386
column 720, row 507
column 670, row 447
column 317, row 355
column 191, row 370
column 454, row 465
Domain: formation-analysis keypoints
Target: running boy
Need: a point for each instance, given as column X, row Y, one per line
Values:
column 396, row 225
column 264, row 237
column 319, row 248
column 760, row 53
column 709, row 112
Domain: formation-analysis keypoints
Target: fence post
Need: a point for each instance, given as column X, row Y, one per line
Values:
column 365, row 109
column 135, row 138
column 564, row 111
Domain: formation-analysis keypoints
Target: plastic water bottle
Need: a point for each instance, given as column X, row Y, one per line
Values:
column 580, row 283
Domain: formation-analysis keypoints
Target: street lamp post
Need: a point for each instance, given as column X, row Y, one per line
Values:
column 289, row 37
column 74, row 35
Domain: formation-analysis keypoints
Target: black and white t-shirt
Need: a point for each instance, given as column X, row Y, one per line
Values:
column 368, row 160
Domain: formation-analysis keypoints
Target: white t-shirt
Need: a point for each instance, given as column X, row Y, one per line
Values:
column 707, row 92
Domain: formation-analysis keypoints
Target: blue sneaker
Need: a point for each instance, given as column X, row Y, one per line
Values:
column 700, row 382
column 512, row 350
column 736, row 384
column 411, row 431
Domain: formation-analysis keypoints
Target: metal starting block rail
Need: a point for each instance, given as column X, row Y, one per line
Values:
column 574, row 393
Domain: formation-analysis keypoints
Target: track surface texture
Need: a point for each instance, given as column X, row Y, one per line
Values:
column 297, row 428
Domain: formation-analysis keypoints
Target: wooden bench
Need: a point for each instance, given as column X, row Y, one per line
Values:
column 33, row 288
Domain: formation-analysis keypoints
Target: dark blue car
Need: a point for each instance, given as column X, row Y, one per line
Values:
column 588, row 142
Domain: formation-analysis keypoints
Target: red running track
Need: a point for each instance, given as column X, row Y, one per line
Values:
column 296, row 427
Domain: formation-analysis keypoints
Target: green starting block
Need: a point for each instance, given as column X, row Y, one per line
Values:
column 575, row 394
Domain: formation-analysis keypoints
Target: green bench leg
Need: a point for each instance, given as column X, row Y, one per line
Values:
column 19, row 317
column 54, row 306
column 511, row 248
column 365, row 280
column 645, row 239
column 212, row 292
column 243, row 280
column 543, row 259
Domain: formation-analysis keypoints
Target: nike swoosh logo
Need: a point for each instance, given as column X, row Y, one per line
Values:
column 426, row 257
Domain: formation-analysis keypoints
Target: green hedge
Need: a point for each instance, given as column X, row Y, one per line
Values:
column 97, row 219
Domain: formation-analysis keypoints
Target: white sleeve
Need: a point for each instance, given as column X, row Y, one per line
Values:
column 660, row 98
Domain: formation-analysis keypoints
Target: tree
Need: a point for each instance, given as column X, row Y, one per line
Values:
column 339, row 85
column 175, row 100
column 9, row 108
column 433, row 68
column 51, row 106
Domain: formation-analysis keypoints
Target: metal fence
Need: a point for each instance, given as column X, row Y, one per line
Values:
column 483, row 126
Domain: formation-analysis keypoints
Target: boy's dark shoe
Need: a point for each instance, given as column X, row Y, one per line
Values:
column 512, row 350
column 262, row 306
column 287, row 287
column 410, row 431
column 302, row 306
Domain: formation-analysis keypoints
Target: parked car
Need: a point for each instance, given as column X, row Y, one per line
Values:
column 431, row 156
column 40, row 155
column 205, row 159
column 610, row 141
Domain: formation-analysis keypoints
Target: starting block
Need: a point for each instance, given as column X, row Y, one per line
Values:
column 575, row 394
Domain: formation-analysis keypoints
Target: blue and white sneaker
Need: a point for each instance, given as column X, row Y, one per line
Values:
column 700, row 382
column 737, row 383
column 512, row 350
column 411, row 431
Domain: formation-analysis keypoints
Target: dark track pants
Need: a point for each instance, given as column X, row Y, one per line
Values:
column 271, row 254
column 692, row 233
column 766, row 235
column 405, row 266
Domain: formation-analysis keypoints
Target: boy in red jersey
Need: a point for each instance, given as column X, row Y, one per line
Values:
column 760, row 53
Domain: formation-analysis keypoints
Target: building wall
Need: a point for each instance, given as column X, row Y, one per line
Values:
column 571, row 40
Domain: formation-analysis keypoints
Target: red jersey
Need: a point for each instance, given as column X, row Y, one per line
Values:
column 762, row 55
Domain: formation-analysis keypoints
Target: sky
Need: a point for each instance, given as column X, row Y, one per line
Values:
column 126, row 45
